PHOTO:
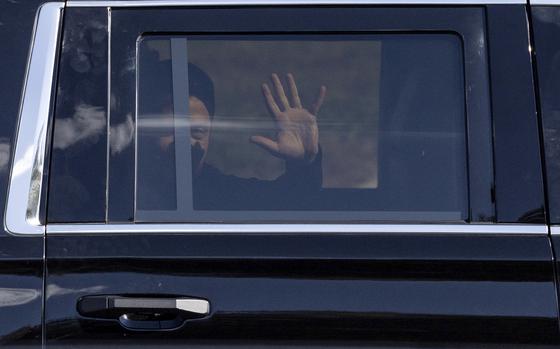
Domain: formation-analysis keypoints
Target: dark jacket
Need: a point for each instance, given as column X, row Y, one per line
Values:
column 295, row 189
column 214, row 190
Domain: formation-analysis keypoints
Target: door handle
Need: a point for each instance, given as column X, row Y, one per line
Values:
column 144, row 313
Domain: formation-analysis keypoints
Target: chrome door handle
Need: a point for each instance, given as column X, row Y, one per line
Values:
column 193, row 305
column 144, row 313
column 190, row 305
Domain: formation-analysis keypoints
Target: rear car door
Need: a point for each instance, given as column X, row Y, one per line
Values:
column 545, row 24
column 384, row 204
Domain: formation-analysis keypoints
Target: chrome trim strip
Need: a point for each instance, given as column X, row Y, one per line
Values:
column 109, row 98
column 153, row 3
column 201, row 228
column 544, row 2
column 24, row 193
column 555, row 230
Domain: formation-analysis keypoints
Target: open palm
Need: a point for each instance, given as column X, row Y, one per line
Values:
column 297, row 136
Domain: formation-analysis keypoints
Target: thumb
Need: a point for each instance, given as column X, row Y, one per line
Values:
column 266, row 143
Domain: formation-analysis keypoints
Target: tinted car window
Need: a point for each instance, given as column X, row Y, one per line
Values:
column 315, row 127
column 79, row 147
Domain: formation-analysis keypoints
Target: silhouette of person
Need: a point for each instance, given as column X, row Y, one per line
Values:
column 296, row 141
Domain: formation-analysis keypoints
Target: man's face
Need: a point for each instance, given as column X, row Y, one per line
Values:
column 200, row 132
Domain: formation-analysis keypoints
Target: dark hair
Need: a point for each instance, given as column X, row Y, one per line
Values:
column 201, row 87
column 157, row 74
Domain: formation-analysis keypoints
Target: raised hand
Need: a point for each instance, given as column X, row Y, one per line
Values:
column 297, row 136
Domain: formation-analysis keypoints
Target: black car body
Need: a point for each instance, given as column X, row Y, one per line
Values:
column 442, row 251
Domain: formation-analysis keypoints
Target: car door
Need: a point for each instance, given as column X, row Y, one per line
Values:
column 384, row 205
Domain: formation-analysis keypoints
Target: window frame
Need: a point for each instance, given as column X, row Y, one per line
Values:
column 127, row 25
column 21, row 224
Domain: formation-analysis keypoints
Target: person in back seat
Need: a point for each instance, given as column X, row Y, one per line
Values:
column 297, row 142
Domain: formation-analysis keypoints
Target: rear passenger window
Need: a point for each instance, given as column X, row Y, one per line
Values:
column 292, row 127
column 288, row 114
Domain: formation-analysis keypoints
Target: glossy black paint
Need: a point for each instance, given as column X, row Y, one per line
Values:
column 128, row 25
column 21, row 259
column 337, row 289
column 546, row 22
column 555, row 242
column 346, row 287
column 519, row 183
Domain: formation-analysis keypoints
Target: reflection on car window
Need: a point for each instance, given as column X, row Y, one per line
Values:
column 364, row 127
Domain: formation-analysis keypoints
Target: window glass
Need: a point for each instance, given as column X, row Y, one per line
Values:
column 78, row 168
column 292, row 127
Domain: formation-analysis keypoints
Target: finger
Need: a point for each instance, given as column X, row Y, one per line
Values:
column 266, row 143
column 270, row 102
column 319, row 102
column 280, row 92
column 293, row 90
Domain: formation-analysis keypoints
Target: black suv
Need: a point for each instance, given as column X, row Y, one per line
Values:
column 280, row 173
